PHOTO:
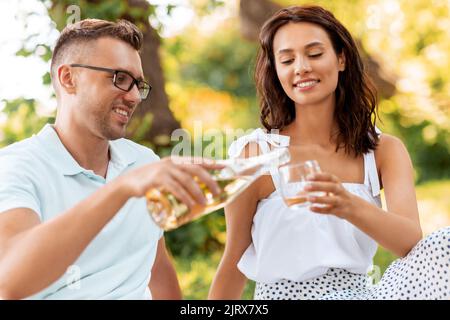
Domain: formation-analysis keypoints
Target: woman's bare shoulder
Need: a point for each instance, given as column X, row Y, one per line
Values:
column 387, row 144
column 391, row 151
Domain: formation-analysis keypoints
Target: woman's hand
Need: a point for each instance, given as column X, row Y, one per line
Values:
column 337, row 201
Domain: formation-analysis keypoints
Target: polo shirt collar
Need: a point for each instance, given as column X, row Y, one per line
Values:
column 60, row 155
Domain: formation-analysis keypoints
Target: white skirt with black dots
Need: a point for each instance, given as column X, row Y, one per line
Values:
column 423, row 274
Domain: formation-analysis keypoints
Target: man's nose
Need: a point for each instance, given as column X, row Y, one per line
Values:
column 133, row 95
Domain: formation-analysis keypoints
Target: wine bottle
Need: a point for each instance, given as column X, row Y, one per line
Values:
column 170, row 213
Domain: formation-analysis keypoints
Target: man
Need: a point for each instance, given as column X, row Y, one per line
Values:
column 73, row 220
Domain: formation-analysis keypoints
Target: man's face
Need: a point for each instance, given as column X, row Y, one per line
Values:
column 103, row 109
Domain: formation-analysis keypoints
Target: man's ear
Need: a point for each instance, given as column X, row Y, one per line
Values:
column 67, row 78
column 341, row 62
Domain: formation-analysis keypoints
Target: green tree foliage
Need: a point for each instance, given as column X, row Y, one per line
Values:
column 22, row 120
column 202, row 67
column 216, row 61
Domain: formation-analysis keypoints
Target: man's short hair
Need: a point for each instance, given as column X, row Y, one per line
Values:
column 75, row 36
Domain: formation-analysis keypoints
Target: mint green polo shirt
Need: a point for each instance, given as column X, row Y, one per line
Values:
column 39, row 173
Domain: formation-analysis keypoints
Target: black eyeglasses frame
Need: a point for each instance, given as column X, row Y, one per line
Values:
column 114, row 72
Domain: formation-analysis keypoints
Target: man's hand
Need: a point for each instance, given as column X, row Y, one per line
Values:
column 175, row 175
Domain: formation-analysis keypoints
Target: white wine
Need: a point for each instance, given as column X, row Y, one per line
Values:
column 300, row 199
column 170, row 213
column 297, row 201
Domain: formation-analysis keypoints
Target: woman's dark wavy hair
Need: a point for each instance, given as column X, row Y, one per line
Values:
column 356, row 102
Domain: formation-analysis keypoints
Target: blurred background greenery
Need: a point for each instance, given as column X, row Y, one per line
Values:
column 203, row 72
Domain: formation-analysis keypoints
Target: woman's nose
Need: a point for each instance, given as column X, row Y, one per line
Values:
column 302, row 66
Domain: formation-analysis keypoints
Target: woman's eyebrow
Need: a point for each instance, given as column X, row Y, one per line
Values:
column 314, row 44
column 308, row 46
column 281, row 51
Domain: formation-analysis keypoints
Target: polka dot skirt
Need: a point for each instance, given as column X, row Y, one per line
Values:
column 423, row 274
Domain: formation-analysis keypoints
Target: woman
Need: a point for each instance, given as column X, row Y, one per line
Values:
column 314, row 90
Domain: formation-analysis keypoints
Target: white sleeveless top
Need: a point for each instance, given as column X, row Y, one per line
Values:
column 299, row 244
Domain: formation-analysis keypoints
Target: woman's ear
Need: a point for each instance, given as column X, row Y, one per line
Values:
column 66, row 78
column 341, row 62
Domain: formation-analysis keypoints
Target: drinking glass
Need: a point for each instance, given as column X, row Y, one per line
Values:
column 293, row 179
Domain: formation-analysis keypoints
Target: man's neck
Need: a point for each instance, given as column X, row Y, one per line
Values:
column 89, row 151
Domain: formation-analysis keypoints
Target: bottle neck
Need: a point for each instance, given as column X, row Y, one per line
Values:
column 254, row 166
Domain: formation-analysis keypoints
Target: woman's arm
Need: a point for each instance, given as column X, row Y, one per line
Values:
column 398, row 229
column 164, row 282
column 229, row 282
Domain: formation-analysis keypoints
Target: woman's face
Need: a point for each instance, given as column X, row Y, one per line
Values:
column 306, row 63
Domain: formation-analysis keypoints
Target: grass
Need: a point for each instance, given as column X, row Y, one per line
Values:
column 434, row 205
column 196, row 273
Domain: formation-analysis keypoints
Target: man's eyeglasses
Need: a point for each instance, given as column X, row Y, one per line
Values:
column 122, row 80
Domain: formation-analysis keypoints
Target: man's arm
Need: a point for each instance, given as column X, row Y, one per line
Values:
column 34, row 254
column 164, row 283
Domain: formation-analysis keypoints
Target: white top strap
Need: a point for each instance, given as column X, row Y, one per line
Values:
column 377, row 130
column 370, row 170
column 371, row 173
column 264, row 140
